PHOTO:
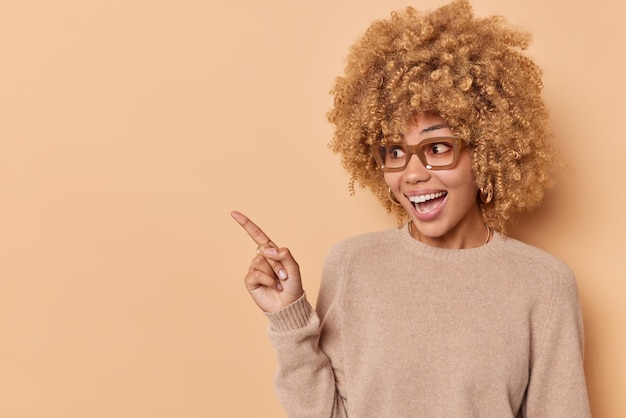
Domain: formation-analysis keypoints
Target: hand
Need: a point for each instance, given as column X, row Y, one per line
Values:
column 273, row 278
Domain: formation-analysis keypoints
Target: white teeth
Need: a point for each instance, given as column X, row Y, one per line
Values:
column 425, row 197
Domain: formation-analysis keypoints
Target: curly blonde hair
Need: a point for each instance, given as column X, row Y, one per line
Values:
column 472, row 73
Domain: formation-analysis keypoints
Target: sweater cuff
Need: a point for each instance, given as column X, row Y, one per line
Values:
column 297, row 315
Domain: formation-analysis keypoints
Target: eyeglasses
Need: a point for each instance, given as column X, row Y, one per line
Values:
column 440, row 153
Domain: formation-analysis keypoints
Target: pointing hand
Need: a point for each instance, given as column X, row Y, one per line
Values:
column 273, row 278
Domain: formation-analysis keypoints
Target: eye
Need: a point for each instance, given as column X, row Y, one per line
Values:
column 439, row 148
column 395, row 151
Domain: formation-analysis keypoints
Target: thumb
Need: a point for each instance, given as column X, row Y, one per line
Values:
column 283, row 258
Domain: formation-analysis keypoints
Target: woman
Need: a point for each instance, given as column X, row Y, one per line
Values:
column 440, row 115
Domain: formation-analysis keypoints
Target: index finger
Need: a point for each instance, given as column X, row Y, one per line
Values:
column 251, row 228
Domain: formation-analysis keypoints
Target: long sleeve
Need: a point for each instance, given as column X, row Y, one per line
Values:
column 556, row 387
column 305, row 382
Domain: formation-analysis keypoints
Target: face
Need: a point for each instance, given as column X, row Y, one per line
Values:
column 441, row 203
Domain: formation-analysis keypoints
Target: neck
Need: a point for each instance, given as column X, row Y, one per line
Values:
column 454, row 241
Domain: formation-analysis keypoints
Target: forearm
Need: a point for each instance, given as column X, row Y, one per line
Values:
column 305, row 381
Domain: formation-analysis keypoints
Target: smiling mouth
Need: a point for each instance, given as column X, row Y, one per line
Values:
column 427, row 202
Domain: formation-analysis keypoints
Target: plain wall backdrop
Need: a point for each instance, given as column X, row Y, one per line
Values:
column 130, row 129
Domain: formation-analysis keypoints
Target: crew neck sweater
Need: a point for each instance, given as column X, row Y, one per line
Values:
column 404, row 329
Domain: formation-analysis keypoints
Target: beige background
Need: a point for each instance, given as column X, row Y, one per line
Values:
column 129, row 130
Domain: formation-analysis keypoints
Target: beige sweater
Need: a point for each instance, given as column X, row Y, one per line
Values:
column 403, row 329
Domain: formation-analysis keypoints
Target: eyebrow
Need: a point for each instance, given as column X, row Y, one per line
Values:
column 435, row 127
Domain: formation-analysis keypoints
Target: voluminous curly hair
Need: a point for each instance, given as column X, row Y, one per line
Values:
column 471, row 72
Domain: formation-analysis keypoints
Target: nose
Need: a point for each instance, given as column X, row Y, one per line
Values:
column 415, row 171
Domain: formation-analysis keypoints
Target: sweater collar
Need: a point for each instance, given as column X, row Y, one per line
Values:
column 494, row 245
